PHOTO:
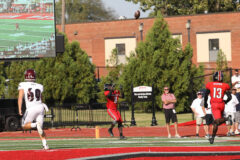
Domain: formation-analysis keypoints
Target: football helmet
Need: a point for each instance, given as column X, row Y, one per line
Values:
column 218, row 76
column 107, row 87
column 30, row 75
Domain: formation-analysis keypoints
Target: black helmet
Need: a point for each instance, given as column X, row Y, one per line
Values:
column 107, row 86
column 218, row 76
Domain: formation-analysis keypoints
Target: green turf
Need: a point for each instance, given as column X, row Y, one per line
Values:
column 30, row 31
column 145, row 119
column 114, row 142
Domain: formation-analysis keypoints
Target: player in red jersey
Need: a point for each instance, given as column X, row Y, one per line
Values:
column 217, row 89
column 17, row 26
column 112, row 100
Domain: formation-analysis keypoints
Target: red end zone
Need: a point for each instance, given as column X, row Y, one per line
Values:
column 32, row 16
column 79, row 153
column 157, row 131
column 188, row 158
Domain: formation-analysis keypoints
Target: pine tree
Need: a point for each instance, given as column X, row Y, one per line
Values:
column 159, row 60
column 67, row 78
column 222, row 65
column 114, row 73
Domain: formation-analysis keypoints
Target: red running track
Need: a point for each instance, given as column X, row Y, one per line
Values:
column 61, row 154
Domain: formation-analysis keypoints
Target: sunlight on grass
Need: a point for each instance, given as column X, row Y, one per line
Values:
column 145, row 119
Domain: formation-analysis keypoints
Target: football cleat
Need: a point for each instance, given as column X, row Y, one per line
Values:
column 177, row 136
column 207, row 136
column 45, row 147
column 236, row 132
column 122, row 138
column 211, row 140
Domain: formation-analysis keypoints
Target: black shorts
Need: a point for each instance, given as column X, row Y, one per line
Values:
column 169, row 115
column 209, row 119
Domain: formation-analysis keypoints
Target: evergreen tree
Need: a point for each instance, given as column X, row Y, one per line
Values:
column 221, row 61
column 222, row 65
column 83, row 10
column 114, row 70
column 160, row 61
column 67, row 78
column 15, row 74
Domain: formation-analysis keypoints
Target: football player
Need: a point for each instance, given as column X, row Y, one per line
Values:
column 217, row 89
column 32, row 93
column 17, row 26
column 112, row 100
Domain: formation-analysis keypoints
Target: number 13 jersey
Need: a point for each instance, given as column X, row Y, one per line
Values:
column 217, row 91
column 32, row 93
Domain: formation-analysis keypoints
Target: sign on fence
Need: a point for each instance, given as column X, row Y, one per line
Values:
column 142, row 93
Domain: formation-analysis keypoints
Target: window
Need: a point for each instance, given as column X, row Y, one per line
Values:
column 121, row 53
column 124, row 46
column 90, row 58
column 120, row 48
column 209, row 43
column 213, row 49
column 177, row 36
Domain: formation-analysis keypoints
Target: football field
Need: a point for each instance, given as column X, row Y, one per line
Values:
column 28, row 32
column 142, row 143
column 112, row 148
column 67, row 143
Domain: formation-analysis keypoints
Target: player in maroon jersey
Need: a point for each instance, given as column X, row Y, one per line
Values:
column 217, row 89
column 112, row 100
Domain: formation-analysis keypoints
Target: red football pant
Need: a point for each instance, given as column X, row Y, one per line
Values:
column 116, row 116
column 217, row 110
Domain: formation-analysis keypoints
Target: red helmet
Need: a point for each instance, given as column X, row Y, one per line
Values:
column 30, row 74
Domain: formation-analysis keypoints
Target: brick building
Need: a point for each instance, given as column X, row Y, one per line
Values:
column 207, row 34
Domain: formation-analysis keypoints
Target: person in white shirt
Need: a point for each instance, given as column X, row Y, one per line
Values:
column 32, row 93
column 236, row 79
column 199, row 114
column 230, row 110
column 237, row 114
column 208, row 115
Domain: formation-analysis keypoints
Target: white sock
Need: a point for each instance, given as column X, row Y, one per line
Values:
column 33, row 125
column 44, row 142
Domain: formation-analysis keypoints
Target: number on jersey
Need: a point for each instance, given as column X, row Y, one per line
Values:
column 217, row 92
column 31, row 96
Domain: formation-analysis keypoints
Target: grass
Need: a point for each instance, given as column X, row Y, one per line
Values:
column 114, row 142
column 31, row 31
column 145, row 119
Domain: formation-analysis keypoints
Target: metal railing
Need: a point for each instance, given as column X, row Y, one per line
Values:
column 81, row 114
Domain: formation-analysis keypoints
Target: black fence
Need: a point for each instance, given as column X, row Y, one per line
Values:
column 76, row 115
